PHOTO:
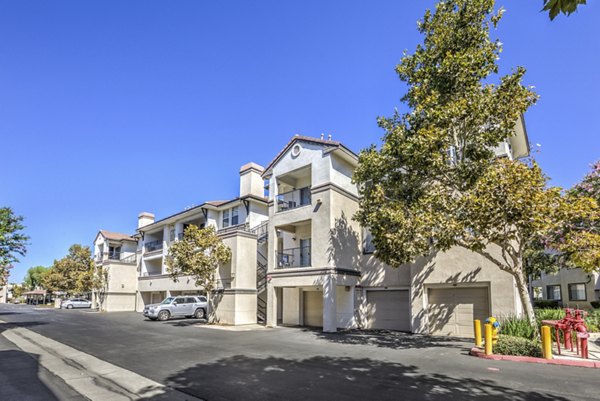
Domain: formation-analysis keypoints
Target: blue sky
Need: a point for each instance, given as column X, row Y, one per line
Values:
column 110, row 108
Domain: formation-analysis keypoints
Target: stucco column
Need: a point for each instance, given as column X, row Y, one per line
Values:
column 165, row 250
column 271, row 306
column 178, row 229
column 329, row 307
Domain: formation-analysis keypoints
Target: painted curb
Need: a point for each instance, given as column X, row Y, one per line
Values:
column 479, row 353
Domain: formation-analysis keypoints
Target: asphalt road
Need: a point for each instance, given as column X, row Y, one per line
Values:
column 300, row 364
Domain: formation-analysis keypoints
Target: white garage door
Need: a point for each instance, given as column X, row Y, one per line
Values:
column 452, row 310
column 389, row 309
column 313, row 308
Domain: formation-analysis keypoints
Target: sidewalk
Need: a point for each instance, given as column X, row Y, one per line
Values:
column 23, row 379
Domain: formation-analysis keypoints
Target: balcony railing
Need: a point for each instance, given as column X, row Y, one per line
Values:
column 153, row 246
column 114, row 255
column 261, row 231
column 131, row 259
column 294, row 257
column 293, row 199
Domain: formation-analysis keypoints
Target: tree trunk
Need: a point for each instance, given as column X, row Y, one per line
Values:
column 524, row 295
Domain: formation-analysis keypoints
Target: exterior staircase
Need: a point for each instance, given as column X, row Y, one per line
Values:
column 262, row 236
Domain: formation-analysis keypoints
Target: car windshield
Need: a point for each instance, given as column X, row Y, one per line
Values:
column 168, row 300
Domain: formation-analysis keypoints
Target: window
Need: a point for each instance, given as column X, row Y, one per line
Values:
column 577, row 292
column 234, row 216
column 172, row 234
column 114, row 252
column 553, row 292
column 368, row 246
column 225, row 218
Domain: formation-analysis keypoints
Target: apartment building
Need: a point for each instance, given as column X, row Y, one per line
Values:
column 145, row 275
column 300, row 259
column 569, row 287
column 117, row 254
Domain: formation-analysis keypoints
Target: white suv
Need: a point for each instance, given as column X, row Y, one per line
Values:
column 181, row 306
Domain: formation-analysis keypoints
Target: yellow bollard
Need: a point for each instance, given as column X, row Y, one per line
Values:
column 488, row 339
column 547, row 342
column 477, row 324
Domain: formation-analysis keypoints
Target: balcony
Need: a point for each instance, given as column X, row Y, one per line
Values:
column 293, row 199
column 114, row 255
column 153, row 246
column 294, row 257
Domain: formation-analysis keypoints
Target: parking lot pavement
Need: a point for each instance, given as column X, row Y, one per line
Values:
column 300, row 364
column 23, row 379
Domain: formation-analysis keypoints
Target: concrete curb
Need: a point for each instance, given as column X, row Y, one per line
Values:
column 479, row 353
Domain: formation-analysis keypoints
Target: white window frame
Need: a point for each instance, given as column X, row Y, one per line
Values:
column 553, row 293
column 584, row 292
column 235, row 213
column 225, row 220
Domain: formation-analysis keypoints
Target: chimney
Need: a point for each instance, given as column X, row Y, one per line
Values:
column 251, row 182
column 322, row 136
column 145, row 219
column 329, row 137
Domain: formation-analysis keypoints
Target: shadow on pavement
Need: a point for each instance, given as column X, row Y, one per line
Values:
column 184, row 322
column 19, row 377
column 388, row 339
column 326, row 378
column 14, row 325
column 10, row 313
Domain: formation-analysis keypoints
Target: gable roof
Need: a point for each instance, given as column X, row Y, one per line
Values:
column 213, row 204
column 330, row 145
column 116, row 236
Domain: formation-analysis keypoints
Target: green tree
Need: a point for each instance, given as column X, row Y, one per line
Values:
column 34, row 276
column 567, row 7
column 576, row 236
column 198, row 254
column 17, row 290
column 435, row 182
column 12, row 241
column 76, row 273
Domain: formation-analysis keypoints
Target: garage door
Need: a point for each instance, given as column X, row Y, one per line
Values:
column 452, row 310
column 388, row 310
column 313, row 308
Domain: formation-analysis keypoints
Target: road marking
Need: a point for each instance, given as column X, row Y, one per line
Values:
column 89, row 376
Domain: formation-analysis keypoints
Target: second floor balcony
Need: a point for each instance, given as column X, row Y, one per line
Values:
column 120, row 257
column 153, row 246
column 294, row 257
column 293, row 199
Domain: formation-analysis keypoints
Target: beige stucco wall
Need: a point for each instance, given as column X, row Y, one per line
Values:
column 232, row 308
column 119, row 302
column 122, row 277
column 459, row 267
column 242, row 268
column 564, row 277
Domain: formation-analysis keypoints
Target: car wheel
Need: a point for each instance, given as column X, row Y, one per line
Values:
column 163, row 315
column 69, row 306
column 199, row 314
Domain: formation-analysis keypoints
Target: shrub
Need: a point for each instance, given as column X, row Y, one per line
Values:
column 517, row 327
column 595, row 304
column 592, row 321
column 549, row 314
column 545, row 303
column 518, row 346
